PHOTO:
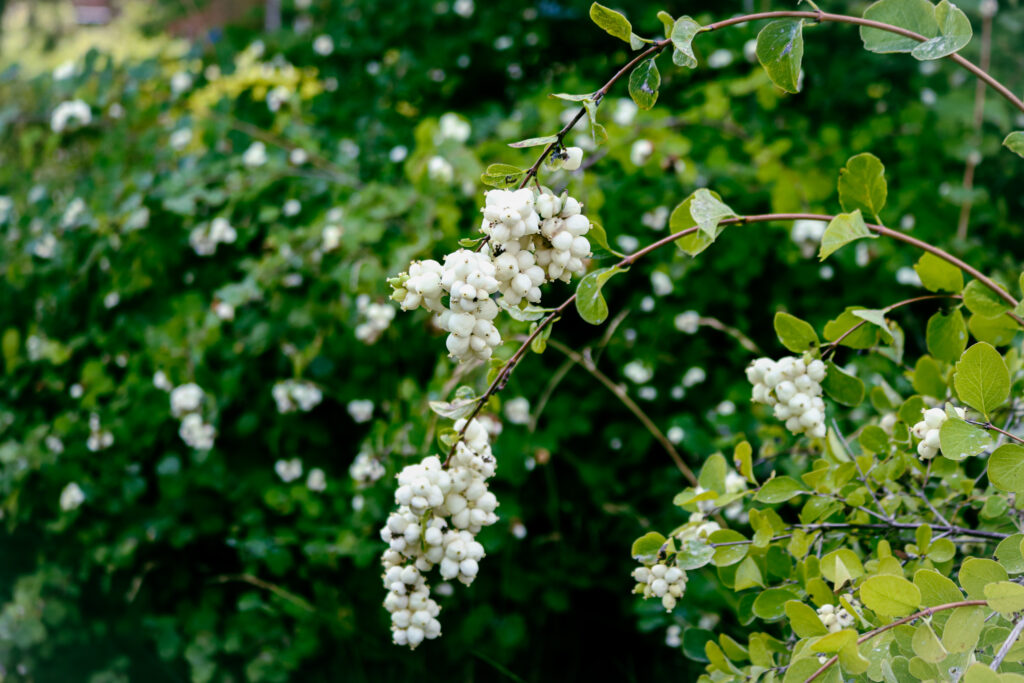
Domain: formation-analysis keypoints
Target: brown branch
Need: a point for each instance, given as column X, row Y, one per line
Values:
column 899, row 622
column 510, row 365
column 599, row 94
column 843, row 19
column 831, row 346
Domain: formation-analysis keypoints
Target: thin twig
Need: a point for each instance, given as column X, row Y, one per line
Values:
column 989, row 425
column 831, row 346
column 1007, row 644
column 744, row 341
column 588, row 365
column 973, row 157
column 260, row 583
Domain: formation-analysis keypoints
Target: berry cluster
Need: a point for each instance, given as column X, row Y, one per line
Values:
column 660, row 581
column 793, row 386
column 291, row 395
column 927, row 430
column 186, row 404
column 837, row 618
column 365, row 469
column 377, row 318
column 439, row 513
column 532, row 237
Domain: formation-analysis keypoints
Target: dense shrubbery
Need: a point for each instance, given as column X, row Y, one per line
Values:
column 227, row 219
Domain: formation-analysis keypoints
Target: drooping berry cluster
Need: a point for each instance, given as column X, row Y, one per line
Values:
column 439, row 513
column 660, row 581
column 927, row 430
column 793, row 386
column 532, row 237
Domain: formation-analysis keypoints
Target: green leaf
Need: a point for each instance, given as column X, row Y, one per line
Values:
column 874, row 439
column 534, row 142
column 840, row 566
column 597, row 235
column 864, row 337
column 667, row 21
column 683, row 32
column 644, row 82
column 980, row 673
column 539, row 344
column 938, row 275
column 647, row 547
column 726, row 555
column 779, row 490
column 1015, row 142
column 748, row 575
column 502, row 175
column 876, row 317
column 890, row 596
column 917, row 16
column 463, row 404
column 597, row 132
column 683, row 217
column 1006, row 468
column 572, row 98
column 694, row 555
column 1008, row 552
column 862, row 185
column 1005, row 597
column 976, row 573
column 982, row 380
column 708, row 210
column 770, row 605
column 928, row 378
column 780, row 49
column 713, row 472
column 954, row 33
column 590, row 302
column 963, row 628
column 960, row 440
column 981, row 300
column 795, row 334
column 935, row 588
column 803, row 619
column 841, row 230
column 997, row 331
column 946, row 335
column 611, row 21
column 836, row 641
column 841, row 386
column 636, row 42
column 926, row 644
column 742, row 458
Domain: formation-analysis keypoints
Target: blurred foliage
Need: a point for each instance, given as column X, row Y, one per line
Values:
column 183, row 564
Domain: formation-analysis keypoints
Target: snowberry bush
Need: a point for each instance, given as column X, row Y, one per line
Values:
column 207, row 397
column 842, row 559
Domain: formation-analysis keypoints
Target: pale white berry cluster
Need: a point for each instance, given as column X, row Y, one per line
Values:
column 660, row 581
column 376, row 319
column 439, row 513
column 927, row 430
column 99, row 438
column 793, row 386
column 532, row 237
column 837, row 618
column 365, row 469
column 186, row 404
column 291, row 395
